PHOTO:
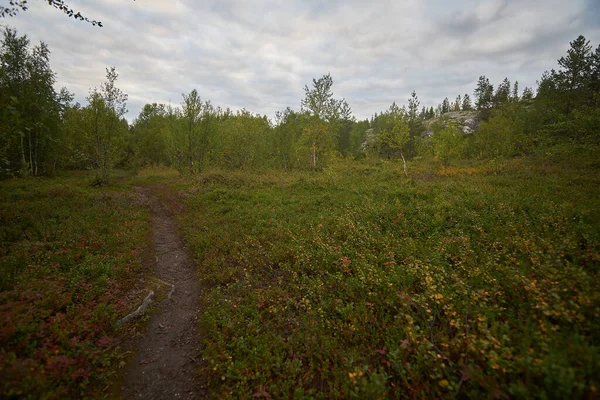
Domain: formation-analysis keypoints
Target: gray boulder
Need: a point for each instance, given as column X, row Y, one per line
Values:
column 467, row 121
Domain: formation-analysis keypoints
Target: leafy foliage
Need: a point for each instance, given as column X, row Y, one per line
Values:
column 103, row 119
column 448, row 143
column 394, row 138
column 30, row 107
column 319, row 101
column 45, row 132
column 67, row 256
column 360, row 283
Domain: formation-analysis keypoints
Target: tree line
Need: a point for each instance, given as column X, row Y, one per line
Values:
column 43, row 130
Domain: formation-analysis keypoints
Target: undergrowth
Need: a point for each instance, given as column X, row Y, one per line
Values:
column 470, row 282
column 478, row 280
column 68, row 253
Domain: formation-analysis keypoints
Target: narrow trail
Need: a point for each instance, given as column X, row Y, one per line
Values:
column 169, row 354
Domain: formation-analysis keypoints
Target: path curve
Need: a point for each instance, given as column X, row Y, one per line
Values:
column 169, row 354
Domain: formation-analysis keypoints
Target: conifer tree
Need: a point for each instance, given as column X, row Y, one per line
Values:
column 484, row 94
column 596, row 60
column 466, row 103
column 575, row 74
column 457, row 103
column 527, row 94
column 445, row 106
column 414, row 122
column 595, row 72
column 515, row 93
column 502, row 95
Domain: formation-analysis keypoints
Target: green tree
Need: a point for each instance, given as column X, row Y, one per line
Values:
column 527, row 94
column 149, row 136
column 318, row 100
column 445, row 106
column 288, row 129
column 484, row 94
column 342, row 122
column 30, row 107
column 358, row 136
column 242, row 141
column 595, row 73
column 502, row 95
column 548, row 89
column 105, row 112
column 415, row 124
column 515, row 93
column 192, row 138
column 394, row 139
column 13, row 61
column 77, row 146
column 575, row 74
column 174, row 137
column 505, row 134
column 331, row 117
column 466, row 103
column 413, row 112
column 457, row 103
column 316, row 144
column 448, row 142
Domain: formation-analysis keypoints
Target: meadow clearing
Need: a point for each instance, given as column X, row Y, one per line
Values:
column 469, row 281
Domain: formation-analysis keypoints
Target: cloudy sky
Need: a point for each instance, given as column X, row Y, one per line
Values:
column 260, row 54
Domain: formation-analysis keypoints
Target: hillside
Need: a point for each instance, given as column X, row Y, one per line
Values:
column 466, row 121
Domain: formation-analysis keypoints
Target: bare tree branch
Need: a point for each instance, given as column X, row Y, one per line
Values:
column 17, row 6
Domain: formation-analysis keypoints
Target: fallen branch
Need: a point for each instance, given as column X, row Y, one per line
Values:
column 140, row 310
column 167, row 284
column 146, row 303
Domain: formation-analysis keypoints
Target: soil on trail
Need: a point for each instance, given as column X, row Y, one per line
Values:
column 169, row 354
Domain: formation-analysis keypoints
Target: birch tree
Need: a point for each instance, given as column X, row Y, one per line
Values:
column 107, row 129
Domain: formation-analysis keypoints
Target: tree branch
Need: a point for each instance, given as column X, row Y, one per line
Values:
column 17, row 6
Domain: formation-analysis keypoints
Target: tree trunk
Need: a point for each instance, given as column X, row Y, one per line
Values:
column 99, row 153
column 35, row 153
column 190, row 157
column 404, row 162
column 30, row 153
column 23, row 150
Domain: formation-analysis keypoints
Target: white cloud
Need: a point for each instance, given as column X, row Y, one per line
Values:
column 260, row 54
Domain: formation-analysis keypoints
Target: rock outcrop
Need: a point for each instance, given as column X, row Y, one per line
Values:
column 467, row 121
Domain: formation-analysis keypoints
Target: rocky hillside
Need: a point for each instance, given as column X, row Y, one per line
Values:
column 467, row 121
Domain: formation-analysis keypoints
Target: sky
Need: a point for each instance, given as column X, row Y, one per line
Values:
column 259, row 55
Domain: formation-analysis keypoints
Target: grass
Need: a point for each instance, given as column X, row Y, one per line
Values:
column 69, row 254
column 360, row 283
column 472, row 281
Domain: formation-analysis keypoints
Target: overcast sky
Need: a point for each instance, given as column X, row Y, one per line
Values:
column 260, row 54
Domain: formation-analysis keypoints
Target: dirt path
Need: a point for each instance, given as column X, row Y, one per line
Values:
column 169, row 353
